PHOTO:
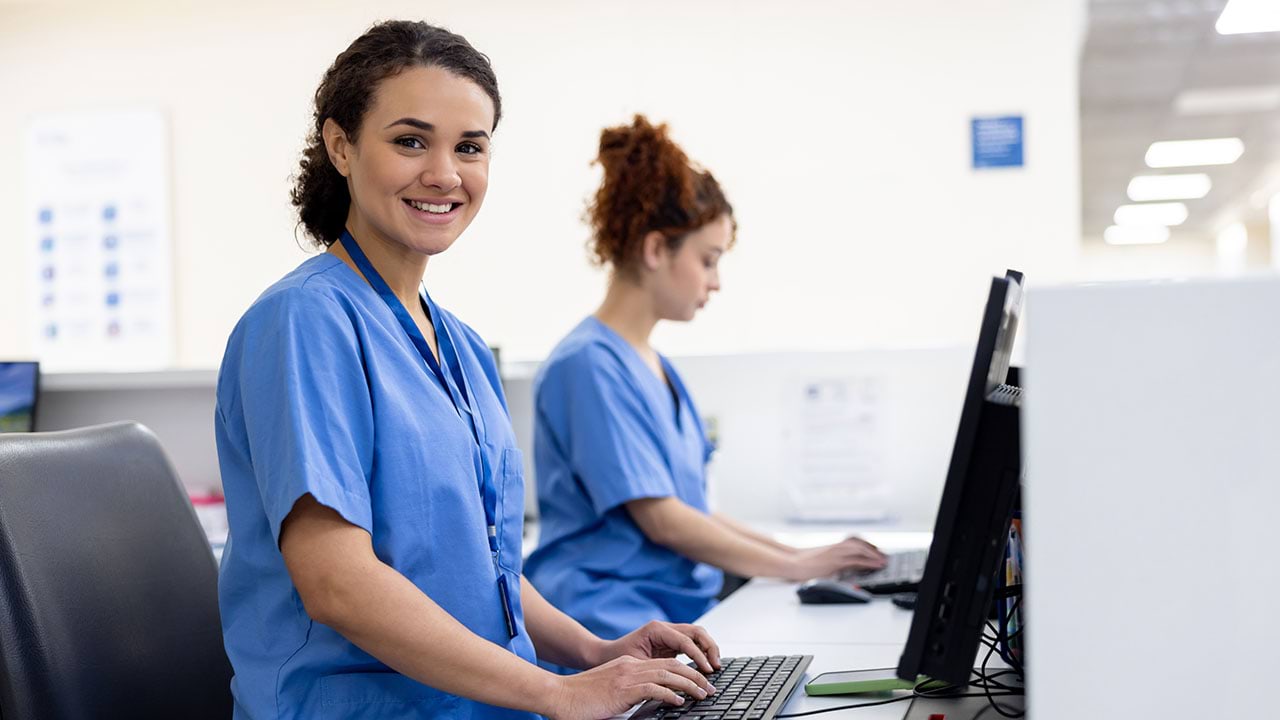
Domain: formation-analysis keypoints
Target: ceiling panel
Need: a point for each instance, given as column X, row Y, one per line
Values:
column 1138, row 57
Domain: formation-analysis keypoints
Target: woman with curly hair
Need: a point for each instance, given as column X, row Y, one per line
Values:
column 619, row 449
column 374, row 488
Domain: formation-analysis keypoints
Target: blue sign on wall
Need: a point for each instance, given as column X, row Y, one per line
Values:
column 997, row 142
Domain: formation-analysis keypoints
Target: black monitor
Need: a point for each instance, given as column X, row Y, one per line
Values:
column 956, row 593
column 19, row 391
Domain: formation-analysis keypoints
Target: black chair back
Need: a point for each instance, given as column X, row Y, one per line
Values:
column 108, row 588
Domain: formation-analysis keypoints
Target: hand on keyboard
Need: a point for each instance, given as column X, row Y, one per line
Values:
column 614, row 687
column 665, row 640
column 750, row 688
column 851, row 552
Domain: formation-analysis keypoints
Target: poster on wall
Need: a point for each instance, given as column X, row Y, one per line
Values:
column 834, row 432
column 997, row 142
column 97, row 211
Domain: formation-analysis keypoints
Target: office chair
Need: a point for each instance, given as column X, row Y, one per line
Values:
column 108, row 588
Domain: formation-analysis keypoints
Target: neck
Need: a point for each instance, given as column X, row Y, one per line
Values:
column 401, row 268
column 628, row 310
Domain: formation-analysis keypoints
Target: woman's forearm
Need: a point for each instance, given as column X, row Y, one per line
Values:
column 344, row 585
column 675, row 525
column 747, row 532
column 557, row 637
column 392, row 620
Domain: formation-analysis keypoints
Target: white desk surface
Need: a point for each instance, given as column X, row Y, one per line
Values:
column 765, row 617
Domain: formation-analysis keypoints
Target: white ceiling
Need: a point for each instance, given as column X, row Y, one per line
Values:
column 1139, row 56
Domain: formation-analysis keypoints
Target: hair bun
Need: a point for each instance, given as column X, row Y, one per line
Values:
column 649, row 184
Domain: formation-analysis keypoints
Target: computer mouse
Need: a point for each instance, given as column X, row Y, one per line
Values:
column 906, row 601
column 825, row 591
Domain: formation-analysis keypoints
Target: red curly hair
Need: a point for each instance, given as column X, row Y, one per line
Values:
column 649, row 185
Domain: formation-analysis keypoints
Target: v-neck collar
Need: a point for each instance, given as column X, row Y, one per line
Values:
column 446, row 349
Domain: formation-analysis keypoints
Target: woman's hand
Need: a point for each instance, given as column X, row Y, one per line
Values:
column 854, row 553
column 610, row 689
column 664, row 640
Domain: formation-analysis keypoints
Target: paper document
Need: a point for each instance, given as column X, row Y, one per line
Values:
column 835, row 450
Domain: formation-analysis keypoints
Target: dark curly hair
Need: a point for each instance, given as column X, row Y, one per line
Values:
column 649, row 184
column 345, row 94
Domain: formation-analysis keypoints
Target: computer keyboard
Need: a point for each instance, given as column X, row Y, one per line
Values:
column 748, row 688
column 902, row 572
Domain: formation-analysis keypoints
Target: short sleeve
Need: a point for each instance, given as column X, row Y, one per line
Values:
column 609, row 434
column 306, row 406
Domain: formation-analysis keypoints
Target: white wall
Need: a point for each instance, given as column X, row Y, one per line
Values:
column 839, row 129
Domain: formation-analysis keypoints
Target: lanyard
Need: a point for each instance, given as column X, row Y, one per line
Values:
column 462, row 405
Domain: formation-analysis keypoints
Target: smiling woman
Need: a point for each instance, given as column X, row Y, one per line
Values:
column 422, row 168
column 374, row 488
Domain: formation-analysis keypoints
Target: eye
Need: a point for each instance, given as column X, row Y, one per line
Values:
column 470, row 148
column 411, row 142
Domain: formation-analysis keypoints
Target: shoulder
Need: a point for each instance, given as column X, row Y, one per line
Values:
column 313, row 293
column 584, row 356
column 310, row 311
column 307, row 317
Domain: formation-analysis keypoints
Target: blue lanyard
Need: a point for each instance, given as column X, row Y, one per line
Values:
column 462, row 404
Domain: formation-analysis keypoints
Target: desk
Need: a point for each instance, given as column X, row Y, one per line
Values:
column 766, row 618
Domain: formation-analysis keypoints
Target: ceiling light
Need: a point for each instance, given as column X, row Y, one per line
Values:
column 1136, row 235
column 1233, row 247
column 1249, row 16
column 1191, row 186
column 1190, row 153
column 1273, row 213
column 1228, row 100
column 1173, row 213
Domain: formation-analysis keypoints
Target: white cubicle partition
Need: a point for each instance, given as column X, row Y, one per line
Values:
column 884, row 419
column 1152, row 446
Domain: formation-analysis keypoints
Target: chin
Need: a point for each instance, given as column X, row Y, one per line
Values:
column 432, row 245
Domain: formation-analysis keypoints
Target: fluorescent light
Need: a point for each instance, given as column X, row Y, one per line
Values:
column 1249, row 16
column 1273, row 213
column 1227, row 100
column 1136, row 235
column 1190, row 186
column 1233, row 243
column 1172, row 213
column 1190, row 153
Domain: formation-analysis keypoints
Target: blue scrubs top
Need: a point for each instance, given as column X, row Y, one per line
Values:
column 607, row 431
column 322, row 392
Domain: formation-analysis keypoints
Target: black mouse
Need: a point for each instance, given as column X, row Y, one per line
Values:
column 825, row 591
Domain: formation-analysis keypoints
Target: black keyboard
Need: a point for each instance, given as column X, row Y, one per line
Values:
column 902, row 572
column 748, row 688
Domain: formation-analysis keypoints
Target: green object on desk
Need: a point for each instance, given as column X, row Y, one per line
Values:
column 855, row 682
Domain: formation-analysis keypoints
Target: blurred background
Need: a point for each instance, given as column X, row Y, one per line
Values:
column 885, row 159
column 846, row 134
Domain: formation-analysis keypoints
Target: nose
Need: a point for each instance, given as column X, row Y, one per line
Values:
column 440, row 170
column 713, row 281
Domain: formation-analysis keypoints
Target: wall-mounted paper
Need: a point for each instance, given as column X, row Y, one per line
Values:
column 835, row 445
column 98, row 216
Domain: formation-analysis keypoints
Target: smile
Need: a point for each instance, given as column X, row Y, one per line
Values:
column 431, row 207
column 434, row 213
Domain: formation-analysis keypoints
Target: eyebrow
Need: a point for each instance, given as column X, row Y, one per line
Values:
column 428, row 127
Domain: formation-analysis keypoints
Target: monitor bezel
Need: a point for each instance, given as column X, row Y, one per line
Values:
column 989, row 371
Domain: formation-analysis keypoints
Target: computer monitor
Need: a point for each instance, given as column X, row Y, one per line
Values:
column 969, row 535
column 19, row 391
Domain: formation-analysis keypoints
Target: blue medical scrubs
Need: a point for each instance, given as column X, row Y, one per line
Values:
column 321, row 391
column 607, row 431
